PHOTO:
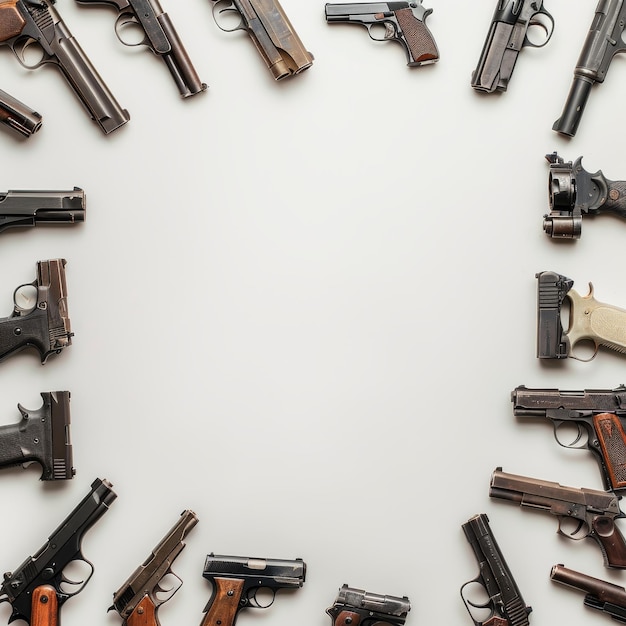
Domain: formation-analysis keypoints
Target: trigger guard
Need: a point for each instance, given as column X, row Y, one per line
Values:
column 575, row 535
column 255, row 603
column 123, row 20
column 548, row 31
column 390, row 31
column 229, row 9
column 580, row 431
column 21, row 45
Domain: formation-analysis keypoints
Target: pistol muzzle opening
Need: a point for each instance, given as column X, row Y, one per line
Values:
column 562, row 227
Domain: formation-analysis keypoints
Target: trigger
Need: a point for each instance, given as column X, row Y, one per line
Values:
column 390, row 32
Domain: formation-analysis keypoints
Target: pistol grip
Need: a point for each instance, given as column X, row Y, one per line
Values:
column 222, row 609
column 612, row 442
column 421, row 46
column 611, row 541
column 144, row 614
column 45, row 607
column 601, row 323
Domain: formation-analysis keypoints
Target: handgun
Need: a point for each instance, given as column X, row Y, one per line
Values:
column 36, row 25
column 356, row 607
column 40, row 317
column 37, row 589
column 574, row 192
column 159, row 36
column 589, row 320
column 597, row 414
column 404, row 22
column 600, row 595
column 139, row 598
column 604, row 40
column 17, row 116
column 21, row 208
column 271, row 32
column 507, row 35
column 503, row 604
column 236, row 580
column 595, row 512
column 41, row 436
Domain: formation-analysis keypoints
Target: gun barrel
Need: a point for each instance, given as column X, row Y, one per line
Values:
column 574, row 107
column 18, row 116
column 600, row 589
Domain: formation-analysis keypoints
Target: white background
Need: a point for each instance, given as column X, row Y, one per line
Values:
column 300, row 309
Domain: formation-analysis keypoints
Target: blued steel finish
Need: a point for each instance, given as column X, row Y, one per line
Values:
column 604, row 40
column 356, row 606
column 504, row 602
column 507, row 35
column 63, row 546
column 404, row 22
column 37, row 23
column 160, row 37
column 22, row 208
column 18, row 116
column 574, row 192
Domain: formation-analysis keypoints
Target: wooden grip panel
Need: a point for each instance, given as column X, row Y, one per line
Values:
column 418, row 38
column 612, row 439
column 45, row 607
column 144, row 614
column 223, row 608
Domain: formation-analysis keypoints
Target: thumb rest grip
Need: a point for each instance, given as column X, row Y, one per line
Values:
column 420, row 42
column 611, row 541
column 612, row 441
column 222, row 610
column 616, row 198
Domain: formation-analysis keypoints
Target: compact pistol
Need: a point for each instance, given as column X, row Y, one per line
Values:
column 139, row 598
column 404, row 22
column 503, row 605
column 236, row 580
column 356, row 607
column 597, row 414
column 40, row 318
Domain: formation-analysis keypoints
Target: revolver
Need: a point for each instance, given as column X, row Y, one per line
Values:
column 404, row 22
column 236, row 580
column 597, row 414
column 507, row 35
column 41, row 436
column 604, row 40
column 505, row 604
column 139, row 598
column 574, row 192
column 39, row 319
column 271, row 32
column 600, row 595
column 159, row 36
column 355, row 607
column 589, row 320
column 17, row 116
column 28, row 24
column 38, row 588
column 22, row 208
column 594, row 511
